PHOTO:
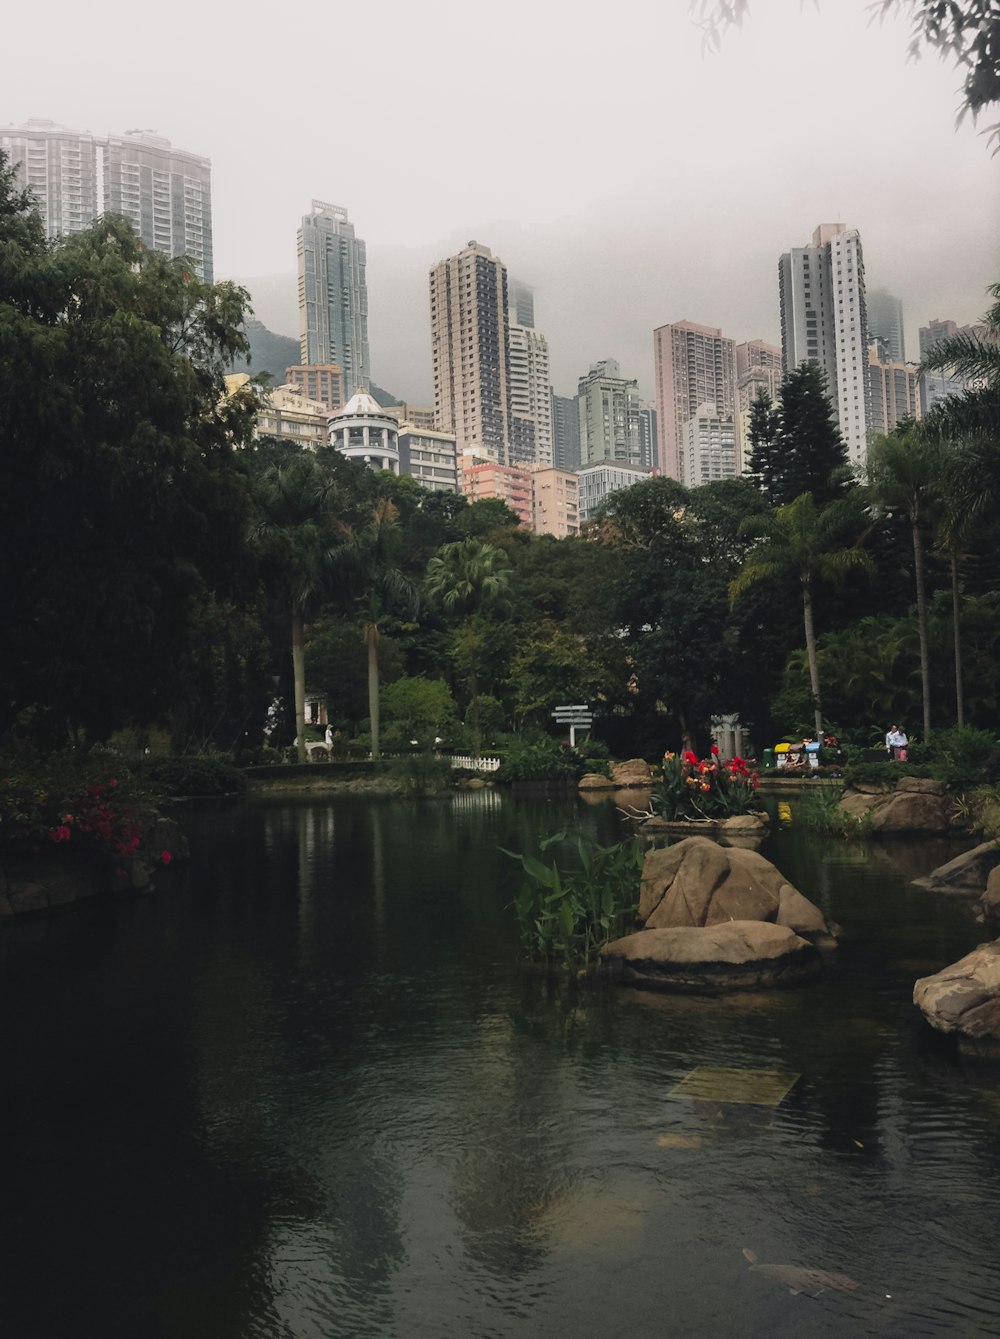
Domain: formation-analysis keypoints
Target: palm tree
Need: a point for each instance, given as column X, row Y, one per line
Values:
column 463, row 579
column 385, row 589
column 299, row 536
column 904, row 474
column 800, row 540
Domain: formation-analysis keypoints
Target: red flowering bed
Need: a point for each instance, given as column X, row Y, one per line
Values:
column 700, row 788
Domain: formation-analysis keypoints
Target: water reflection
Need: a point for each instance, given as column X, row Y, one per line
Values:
column 304, row 1089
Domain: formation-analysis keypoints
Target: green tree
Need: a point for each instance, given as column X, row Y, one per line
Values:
column 904, row 474
column 764, row 455
column 300, row 536
column 808, row 450
column 420, row 709
column 385, row 591
column 464, row 579
column 124, row 505
column 801, row 542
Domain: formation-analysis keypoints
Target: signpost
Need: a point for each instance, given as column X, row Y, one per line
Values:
column 578, row 717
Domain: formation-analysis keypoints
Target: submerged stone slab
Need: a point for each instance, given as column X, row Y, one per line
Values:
column 749, row 1087
column 735, row 956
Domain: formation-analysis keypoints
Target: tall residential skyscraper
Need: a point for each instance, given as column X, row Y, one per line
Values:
column 895, row 393
column 530, row 387
column 824, row 319
column 692, row 365
column 935, row 386
column 609, row 408
column 565, row 432
column 758, row 369
column 165, row 193
column 470, row 350
column 333, row 295
column 885, row 320
column 522, row 303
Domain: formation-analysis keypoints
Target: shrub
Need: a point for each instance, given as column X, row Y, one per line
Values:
column 819, row 810
column 567, row 913
column 538, row 759
column 79, row 804
column 198, row 775
column 421, row 774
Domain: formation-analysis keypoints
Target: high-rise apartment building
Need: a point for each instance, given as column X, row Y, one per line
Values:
column 824, row 320
column 692, row 365
column 608, row 407
column 333, row 295
column 885, row 320
column 709, row 447
column 322, row 381
column 565, row 432
column 936, row 386
column 531, row 389
column 647, row 436
column 522, row 304
column 895, row 392
column 470, row 350
column 75, row 177
column 758, row 370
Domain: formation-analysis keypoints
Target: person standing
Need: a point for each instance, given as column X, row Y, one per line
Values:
column 896, row 743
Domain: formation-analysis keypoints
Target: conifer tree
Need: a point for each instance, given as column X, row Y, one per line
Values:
column 763, row 433
column 808, row 446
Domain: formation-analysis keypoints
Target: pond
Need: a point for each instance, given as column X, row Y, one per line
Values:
column 302, row 1089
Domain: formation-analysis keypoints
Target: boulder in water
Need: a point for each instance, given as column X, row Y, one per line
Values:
column 964, row 1000
column 731, row 956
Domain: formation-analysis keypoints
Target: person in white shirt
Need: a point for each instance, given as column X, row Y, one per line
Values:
column 896, row 743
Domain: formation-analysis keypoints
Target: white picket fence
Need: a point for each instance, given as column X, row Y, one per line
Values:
column 475, row 764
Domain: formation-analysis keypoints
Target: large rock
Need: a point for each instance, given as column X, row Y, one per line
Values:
column 967, row 874
column 734, row 955
column 964, row 999
column 595, row 781
column 698, row 883
column 916, row 807
column 990, row 901
column 634, row 772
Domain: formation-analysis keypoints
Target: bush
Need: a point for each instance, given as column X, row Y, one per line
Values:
column 539, row 759
column 199, row 775
column 85, row 805
column 819, row 810
column 567, row 913
column 421, row 774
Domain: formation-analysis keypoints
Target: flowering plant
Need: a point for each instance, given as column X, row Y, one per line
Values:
column 703, row 788
column 68, row 806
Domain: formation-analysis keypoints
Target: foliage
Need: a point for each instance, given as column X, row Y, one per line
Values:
column 124, row 503
column 64, row 800
column 819, row 810
column 968, row 31
column 419, row 708
column 695, row 789
column 193, row 775
column 567, row 913
column 960, row 756
column 808, row 454
column 420, row 773
column 537, row 758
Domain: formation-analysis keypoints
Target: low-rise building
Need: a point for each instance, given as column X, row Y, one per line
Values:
column 480, row 478
column 364, row 431
column 319, row 381
column 428, row 456
column 599, row 481
column 286, row 413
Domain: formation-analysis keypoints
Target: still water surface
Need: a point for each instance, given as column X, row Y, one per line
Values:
column 303, row 1090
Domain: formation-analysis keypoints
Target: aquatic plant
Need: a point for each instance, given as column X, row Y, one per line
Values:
column 567, row 911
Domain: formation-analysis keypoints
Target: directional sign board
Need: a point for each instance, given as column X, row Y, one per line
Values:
column 577, row 717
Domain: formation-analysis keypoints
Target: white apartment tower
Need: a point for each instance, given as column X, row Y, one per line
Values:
column 531, row 388
column 824, row 320
column 333, row 295
column 470, row 350
column 609, row 409
column 75, row 177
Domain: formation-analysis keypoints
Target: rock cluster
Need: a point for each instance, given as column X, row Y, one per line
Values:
column 718, row 918
column 917, row 806
column 964, row 999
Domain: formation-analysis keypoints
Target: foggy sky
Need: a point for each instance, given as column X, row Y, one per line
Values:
column 631, row 177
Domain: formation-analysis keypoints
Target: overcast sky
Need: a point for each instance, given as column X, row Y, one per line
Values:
column 632, row 178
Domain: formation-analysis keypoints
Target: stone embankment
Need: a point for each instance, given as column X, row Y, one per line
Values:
column 917, row 807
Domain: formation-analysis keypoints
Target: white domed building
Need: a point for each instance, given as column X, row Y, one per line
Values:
column 363, row 430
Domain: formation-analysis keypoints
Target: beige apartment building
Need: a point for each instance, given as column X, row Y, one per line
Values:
column 895, row 391
column 692, row 365
column 555, row 502
column 480, row 478
column 470, row 350
column 323, row 382
column 758, row 369
column 285, row 412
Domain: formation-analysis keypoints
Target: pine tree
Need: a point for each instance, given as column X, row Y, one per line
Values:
column 808, row 445
column 763, row 432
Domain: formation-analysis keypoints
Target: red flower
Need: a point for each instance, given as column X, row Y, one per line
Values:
column 166, row 857
column 690, row 759
column 715, row 750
